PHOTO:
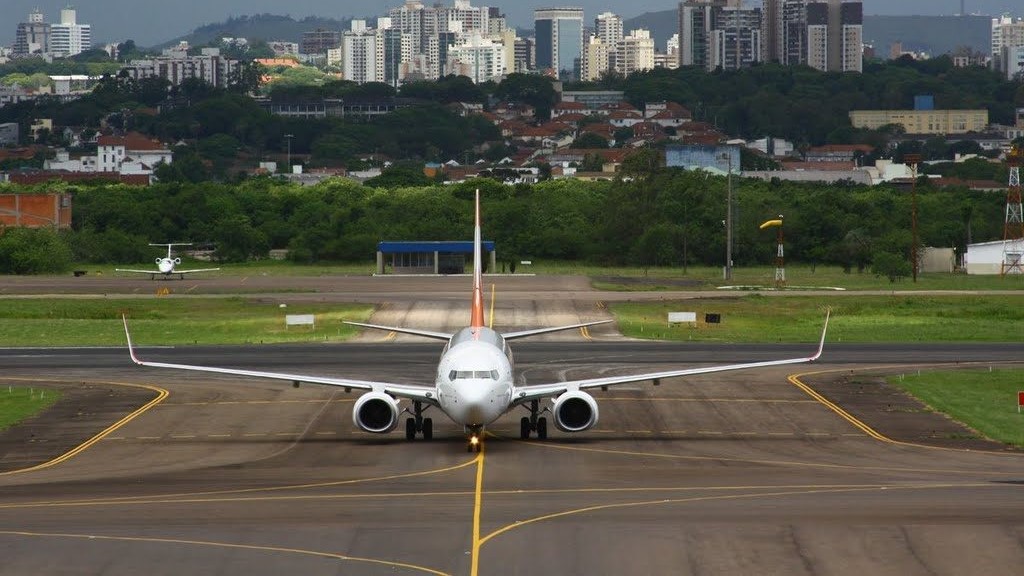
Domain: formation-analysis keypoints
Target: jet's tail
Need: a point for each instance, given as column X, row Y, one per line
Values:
column 476, row 316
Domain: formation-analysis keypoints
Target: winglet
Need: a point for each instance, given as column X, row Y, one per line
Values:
column 131, row 351
column 821, row 345
column 476, row 316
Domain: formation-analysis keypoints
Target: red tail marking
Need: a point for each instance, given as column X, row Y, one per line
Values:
column 476, row 317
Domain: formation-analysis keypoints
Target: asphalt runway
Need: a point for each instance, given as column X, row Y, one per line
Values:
column 741, row 473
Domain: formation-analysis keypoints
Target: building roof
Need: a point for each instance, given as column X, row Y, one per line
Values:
column 131, row 141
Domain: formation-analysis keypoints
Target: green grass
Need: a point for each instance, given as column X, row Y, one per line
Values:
column 985, row 401
column 797, row 276
column 17, row 403
column 162, row 321
column 891, row 318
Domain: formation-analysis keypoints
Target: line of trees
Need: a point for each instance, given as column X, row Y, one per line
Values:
column 663, row 217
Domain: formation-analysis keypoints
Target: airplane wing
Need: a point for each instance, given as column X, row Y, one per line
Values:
column 538, row 391
column 425, row 333
column 137, row 271
column 196, row 270
column 412, row 392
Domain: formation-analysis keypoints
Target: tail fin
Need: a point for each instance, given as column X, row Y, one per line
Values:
column 476, row 316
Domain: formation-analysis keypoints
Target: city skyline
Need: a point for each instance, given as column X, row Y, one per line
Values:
column 159, row 22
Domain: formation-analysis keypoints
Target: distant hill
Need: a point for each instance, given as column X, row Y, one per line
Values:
column 935, row 35
column 259, row 27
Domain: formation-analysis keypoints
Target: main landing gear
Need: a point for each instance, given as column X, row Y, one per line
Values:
column 476, row 439
column 533, row 423
column 417, row 423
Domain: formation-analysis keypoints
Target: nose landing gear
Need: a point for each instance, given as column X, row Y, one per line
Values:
column 476, row 439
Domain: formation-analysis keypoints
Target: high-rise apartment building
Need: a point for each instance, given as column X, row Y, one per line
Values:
column 525, row 55
column 824, row 34
column 319, row 41
column 559, row 36
column 69, row 37
column 696, row 21
column 735, row 39
column 608, row 27
column 719, row 33
column 481, row 59
column 32, row 36
column 635, row 53
column 596, row 59
column 835, row 38
column 1007, row 37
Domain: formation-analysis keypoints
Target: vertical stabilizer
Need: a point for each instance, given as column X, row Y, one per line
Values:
column 476, row 316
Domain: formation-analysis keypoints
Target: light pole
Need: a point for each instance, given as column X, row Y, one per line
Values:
column 288, row 139
column 727, row 156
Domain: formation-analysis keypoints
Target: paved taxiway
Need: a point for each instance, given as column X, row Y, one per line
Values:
column 742, row 473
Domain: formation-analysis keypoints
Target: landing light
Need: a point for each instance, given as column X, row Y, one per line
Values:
column 474, row 440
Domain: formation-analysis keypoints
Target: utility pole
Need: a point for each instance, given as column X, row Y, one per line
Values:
column 913, row 160
column 288, row 139
column 727, row 156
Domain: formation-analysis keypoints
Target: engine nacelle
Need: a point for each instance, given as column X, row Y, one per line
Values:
column 575, row 412
column 177, row 261
column 375, row 412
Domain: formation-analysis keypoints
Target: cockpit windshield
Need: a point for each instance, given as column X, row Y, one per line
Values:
column 466, row 374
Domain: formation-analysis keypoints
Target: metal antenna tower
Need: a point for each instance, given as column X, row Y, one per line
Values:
column 1013, row 229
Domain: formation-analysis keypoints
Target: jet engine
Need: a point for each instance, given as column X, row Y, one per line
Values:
column 575, row 411
column 177, row 261
column 375, row 412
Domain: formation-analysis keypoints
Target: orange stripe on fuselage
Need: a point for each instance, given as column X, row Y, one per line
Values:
column 476, row 315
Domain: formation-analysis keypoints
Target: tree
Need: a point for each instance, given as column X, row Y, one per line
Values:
column 891, row 266
column 400, row 175
column 537, row 91
column 33, row 251
column 589, row 140
column 237, row 240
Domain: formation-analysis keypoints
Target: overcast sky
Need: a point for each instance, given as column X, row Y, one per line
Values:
column 150, row 22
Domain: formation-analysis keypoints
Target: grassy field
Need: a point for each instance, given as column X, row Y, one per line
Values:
column 751, row 318
column 894, row 318
column 797, row 277
column 18, row 403
column 984, row 400
column 97, row 322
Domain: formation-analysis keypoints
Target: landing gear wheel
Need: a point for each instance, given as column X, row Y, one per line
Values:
column 524, row 428
column 410, row 428
column 542, row 429
column 428, row 429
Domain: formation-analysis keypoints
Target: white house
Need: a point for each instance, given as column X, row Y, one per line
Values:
column 132, row 152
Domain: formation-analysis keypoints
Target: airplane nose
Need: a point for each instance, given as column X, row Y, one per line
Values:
column 476, row 405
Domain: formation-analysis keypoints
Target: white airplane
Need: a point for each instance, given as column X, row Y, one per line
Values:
column 474, row 384
column 166, row 266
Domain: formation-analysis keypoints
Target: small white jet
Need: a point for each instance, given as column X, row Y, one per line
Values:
column 474, row 384
column 167, row 266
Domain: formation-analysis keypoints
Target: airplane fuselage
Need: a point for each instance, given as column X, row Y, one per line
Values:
column 474, row 380
column 166, row 265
